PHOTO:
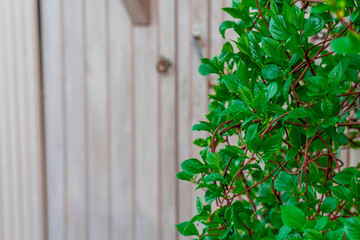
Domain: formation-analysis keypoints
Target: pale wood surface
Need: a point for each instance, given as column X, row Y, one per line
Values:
column 120, row 128
column 21, row 195
column 116, row 130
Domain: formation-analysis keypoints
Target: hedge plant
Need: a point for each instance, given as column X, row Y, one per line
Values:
column 286, row 104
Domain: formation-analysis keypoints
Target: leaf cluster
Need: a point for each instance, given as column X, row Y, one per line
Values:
column 286, row 103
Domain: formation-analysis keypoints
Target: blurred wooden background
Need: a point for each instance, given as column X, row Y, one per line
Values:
column 91, row 133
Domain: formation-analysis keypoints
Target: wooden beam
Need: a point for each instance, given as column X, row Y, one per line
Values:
column 138, row 11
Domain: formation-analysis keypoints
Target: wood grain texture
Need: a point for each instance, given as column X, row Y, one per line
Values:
column 97, row 118
column 147, row 130
column 186, row 190
column 121, row 83
column 52, row 39
column 75, row 127
column 21, row 196
column 168, row 122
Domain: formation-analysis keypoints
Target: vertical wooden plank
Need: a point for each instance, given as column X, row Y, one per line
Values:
column 186, row 189
column 21, row 171
column 54, row 127
column 217, row 17
column 75, row 120
column 199, row 85
column 35, row 142
column 168, row 122
column 5, row 217
column 121, row 77
column 147, row 130
column 97, row 117
column 11, row 114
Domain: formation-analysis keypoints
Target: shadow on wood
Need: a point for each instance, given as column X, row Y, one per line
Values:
column 138, row 11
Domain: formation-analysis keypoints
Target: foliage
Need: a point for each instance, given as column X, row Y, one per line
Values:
column 284, row 106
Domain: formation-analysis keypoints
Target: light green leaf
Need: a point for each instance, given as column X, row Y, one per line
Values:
column 214, row 177
column 192, row 166
column 321, row 223
column 347, row 45
column 352, row 227
column 187, row 229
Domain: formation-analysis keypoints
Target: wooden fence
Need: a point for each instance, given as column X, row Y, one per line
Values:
column 116, row 128
column 89, row 148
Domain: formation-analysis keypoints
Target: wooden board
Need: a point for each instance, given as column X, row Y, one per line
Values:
column 122, row 98
column 21, row 195
column 147, row 130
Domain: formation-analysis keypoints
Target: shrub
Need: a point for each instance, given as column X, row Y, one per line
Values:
column 284, row 107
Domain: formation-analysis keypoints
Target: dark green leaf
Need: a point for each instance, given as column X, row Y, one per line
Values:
column 293, row 217
column 278, row 28
column 271, row 71
column 224, row 26
column 284, row 182
column 341, row 192
column 329, row 204
column 313, row 26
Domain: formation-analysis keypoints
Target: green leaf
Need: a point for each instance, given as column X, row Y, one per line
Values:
column 352, row 227
column 269, row 45
column 227, row 48
column 284, row 182
column 312, row 234
column 199, row 205
column 347, row 45
column 187, row 229
column 298, row 113
column 271, row 71
column 293, row 217
column 245, row 95
column 344, row 177
column 286, row 89
column 251, row 132
column 184, row 176
column 207, row 66
column 232, row 82
column 329, row 204
column 273, row 144
column 313, row 26
column 278, row 28
column 310, row 132
column 321, row 223
column 192, row 166
column 224, row 26
column 202, row 127
column 284, row 231
column 271, row 90
column 341, row 192
column 214, row 177
column 327, row 106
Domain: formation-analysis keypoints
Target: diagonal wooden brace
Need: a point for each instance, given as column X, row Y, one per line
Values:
column 138, row 11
